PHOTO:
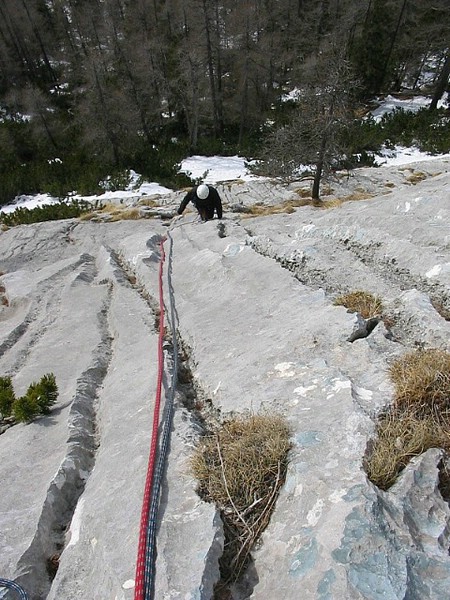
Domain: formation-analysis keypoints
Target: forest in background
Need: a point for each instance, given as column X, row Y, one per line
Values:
column 90, row 88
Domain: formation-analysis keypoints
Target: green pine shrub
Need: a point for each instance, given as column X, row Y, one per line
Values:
column 427, row 130
column 47, row 393
column 7, row 396
column 38, row 400
column 48, row 212
column 25, row 409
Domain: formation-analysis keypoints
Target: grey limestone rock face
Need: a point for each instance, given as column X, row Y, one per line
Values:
column 259, row 331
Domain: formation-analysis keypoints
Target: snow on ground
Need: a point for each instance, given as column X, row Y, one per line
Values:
column 211, row 169
column 29, row 202
column 390, row 103
column 214, row 169
column 403, row 156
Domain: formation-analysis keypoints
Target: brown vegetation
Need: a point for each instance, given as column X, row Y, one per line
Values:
column 419, row 418
column 364, row 303
column 241, row 466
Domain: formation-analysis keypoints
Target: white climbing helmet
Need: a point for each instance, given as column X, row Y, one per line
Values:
column 202, row 191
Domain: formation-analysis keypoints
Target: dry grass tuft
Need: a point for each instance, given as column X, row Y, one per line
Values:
column 338, row 201
column 128, row 214
column 416, row 177
column 148, row 202
column 401, row 437
column 241, row 467
column 364, row 303
column 419, row 418
column 115, row 213
column 304, row 193
column 422, row 383
column 358, row 196
column 261, row 210
column 332, row 203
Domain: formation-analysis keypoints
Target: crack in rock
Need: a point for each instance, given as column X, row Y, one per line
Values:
column 37, row 566
column 40, row 297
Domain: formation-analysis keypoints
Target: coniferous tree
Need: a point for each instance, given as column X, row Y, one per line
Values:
column 312, row 139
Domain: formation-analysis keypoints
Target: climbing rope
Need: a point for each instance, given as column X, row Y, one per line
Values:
column 142, row 566
column 145, row 568
column 165, row 438
column 12, row 585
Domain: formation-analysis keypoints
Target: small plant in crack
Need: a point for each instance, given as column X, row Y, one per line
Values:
column 364, row 303
column 7, row 396
column 422, row 383
column 419, row 418
column 241, row 466
column 37, row 401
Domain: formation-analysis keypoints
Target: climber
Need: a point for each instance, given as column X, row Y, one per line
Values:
column 206, row 200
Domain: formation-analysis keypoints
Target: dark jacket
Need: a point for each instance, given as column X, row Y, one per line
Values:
column 205, row 207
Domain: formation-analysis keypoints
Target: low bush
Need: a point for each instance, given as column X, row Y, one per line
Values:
column 427, row 130
column 44, row 394
column 25, row 409
column 38, row 400
column 7, row 396
column 48, row 212
column 241, row 467
column 364, row 303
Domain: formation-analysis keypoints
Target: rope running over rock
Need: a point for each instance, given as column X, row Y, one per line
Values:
column 145, row 567
column 12, row 585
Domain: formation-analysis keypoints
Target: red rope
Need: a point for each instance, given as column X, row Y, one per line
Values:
column 142, row 547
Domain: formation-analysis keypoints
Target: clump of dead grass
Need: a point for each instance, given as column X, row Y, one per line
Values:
column 241, row 467
column 364, row 303
column 262, row 210
column 416, row 177
column 419, row 418
column 401, row 437
column 114, row 213
column 304, row 193
column 332, row 203
column 150, row 202
column 422, row 382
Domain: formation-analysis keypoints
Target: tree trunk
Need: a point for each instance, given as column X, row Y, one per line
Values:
column 441, row 84
column 394, row 39
column 212, row 82
column 319, row 169
column 20, row 44
column 106, row 118
column 35, row 30
column 219, row 71
column 244, row 94
column 419, row 72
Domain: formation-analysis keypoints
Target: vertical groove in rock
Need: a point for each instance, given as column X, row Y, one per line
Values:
column 37, row 566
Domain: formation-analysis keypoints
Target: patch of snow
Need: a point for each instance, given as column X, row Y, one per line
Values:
column 29, row 202
column 403, row 156
column 212, row 169
column 390, row 103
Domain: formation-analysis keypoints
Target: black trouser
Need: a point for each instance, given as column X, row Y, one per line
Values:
column 206, row 213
